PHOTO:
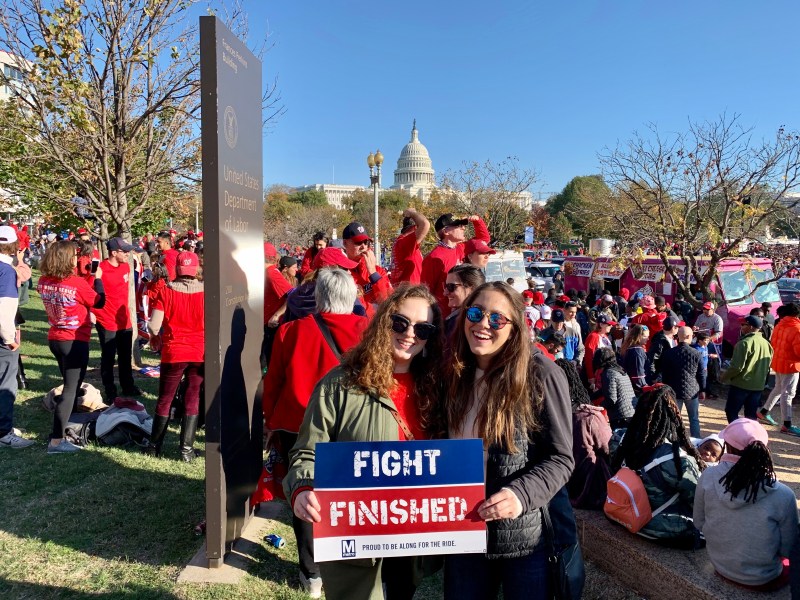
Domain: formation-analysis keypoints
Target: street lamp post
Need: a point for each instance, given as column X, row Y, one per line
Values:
column 374, row 162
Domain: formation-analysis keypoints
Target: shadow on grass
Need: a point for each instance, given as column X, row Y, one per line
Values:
column 32, row 591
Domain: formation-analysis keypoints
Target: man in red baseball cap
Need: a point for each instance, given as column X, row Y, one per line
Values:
column 369, row 276
column 449, row 252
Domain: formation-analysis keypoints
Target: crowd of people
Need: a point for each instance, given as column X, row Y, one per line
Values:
column 80, row 291
column 564, row 389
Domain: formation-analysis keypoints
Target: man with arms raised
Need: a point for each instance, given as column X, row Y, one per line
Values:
column 449, row 252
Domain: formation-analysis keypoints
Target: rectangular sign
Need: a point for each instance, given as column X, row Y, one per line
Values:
column 383, row 499
column 652, row 272
column 579, row 268
column 607, row 270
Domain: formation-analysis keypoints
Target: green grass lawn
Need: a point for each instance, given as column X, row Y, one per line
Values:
column 115, row 524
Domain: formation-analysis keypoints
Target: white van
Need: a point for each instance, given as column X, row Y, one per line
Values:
column 505, row 265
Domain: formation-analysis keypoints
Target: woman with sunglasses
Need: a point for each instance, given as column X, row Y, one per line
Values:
column 460, row 282
column 508, row 394
column 384, row 390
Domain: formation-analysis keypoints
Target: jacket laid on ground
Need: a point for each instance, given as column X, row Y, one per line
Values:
column 590, row 436
column 300, row 358
column 682, row 368
column 750, row 363
column 786, row 344
column 659, row 344
column 540, row 468
column 618, row 394
column 661, row 483
column 745, row 541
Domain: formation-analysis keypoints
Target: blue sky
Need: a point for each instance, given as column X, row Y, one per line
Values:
column 550, row 83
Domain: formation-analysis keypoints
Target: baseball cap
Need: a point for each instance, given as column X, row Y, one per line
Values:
column 671, row 322
column 356, row 232
column 187, row 264
column 527, row 294
column 82, row 231
column 607, row 298
column 447, row 220
column 269, row 250
column 330, row 256
column 742, row 432
column 474, row 245
column 287, row 261
column 557, row 315
column 754, row 321
column 605, row 320
column 556, row 336
column 117, row 243
column 538, row 297
column 708, row 306
column 7, row 234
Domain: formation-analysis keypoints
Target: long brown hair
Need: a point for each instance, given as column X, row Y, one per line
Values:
column 635, row 337
column 58, row 260
column 369, row 364
column 512, row 394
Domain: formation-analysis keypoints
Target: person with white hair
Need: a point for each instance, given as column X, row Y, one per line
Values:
column 302, row 353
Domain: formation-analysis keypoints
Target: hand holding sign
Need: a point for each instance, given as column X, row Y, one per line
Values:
column 306, row 507
column 502, row 505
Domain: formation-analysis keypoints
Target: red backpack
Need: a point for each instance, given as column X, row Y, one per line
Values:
column 626, row 500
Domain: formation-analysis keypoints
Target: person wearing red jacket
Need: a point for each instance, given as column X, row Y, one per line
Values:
column 276, row 289
column 595, row 340
column 179, row 307
column 114, row 322
column 318, row 242
column 406, row 257
column 448, row 253
column 301, row 356
column 370, row 277
column 786, row 364
column 169, row 256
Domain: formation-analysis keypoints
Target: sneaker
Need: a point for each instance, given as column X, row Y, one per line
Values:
column 13, row 440
column 63, row 447
column 134, row 391
column 311, row 585
column 791, row 430
column 766, row 418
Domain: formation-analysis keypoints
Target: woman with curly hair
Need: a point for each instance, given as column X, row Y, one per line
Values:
column 385, row 390
column 742, row 494
column 656, row 431
column 516, row 400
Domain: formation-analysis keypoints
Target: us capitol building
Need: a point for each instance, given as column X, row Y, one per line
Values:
column 414, row 174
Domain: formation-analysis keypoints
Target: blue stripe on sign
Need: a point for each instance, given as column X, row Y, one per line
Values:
column 398, row 464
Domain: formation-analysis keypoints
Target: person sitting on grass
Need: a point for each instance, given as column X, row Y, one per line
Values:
column 741, row 495
column 656, row 430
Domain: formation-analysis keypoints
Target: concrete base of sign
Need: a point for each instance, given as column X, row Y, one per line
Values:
column 240, row 558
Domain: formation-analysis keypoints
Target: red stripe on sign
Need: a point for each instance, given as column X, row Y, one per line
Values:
column 394, row 511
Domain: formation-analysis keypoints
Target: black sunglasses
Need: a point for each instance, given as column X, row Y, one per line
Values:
column 497, row 320
column 452, row 287
column 421, row 330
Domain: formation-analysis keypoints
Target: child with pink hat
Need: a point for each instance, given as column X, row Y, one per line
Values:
column 742, row 494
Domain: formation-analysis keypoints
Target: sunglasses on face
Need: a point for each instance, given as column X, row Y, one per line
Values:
column 362, row 243
column 475, row 314
column 422, row 331
column 452, row 287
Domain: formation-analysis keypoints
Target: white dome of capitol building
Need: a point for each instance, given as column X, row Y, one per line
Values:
column 414, row 172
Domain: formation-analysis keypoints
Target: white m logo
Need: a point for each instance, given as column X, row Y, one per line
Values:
column 348, row 548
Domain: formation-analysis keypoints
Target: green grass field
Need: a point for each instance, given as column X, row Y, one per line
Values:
column 115, row 524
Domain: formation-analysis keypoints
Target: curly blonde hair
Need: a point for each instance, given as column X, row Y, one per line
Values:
column 370, row 367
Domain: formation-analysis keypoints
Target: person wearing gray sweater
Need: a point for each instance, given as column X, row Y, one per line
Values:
column 749, row 519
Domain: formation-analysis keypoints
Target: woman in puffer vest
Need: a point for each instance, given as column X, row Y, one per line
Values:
column 517, row 401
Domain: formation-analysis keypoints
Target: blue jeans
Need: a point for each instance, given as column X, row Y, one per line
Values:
column 737, row 397
column 473, row 576
column 9, row 365
column 693, row 410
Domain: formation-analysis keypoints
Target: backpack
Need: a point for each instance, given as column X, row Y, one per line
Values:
column 626, row 497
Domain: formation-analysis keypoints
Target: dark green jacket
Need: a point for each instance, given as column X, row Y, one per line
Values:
column 750, row 363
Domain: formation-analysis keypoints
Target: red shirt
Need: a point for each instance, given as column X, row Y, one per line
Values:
column 275, row 289
column 443, row 258
column 300, row 358
column 407, row 403
column 305, row 265
column 170, row 260
column 407, row 259
column 114, row 316
column 373, row 293
column 67, row 303
column 183, row 331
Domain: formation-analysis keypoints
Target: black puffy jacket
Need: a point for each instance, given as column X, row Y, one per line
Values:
column 682, row 370
column 537, row 472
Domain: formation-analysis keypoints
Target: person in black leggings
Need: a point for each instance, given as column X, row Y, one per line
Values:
column 67, row 299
